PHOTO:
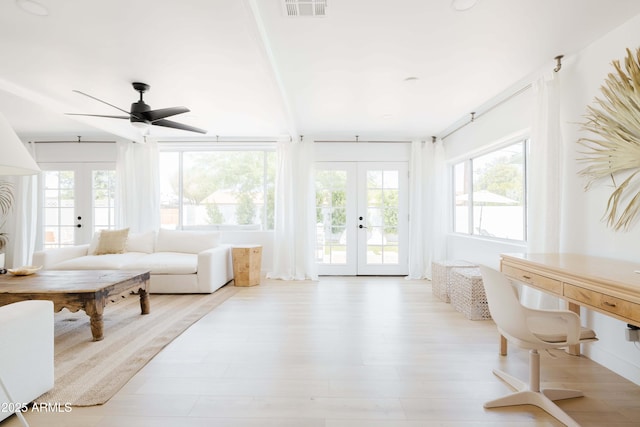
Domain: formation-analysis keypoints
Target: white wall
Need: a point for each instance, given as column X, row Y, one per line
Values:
column 582, row 230
column 505, row 121
column 583, row 211
column 75, row 152
column 479, row 249
column 362, row 152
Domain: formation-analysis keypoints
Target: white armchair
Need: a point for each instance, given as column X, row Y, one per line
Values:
column 26, row 353
column 533, row 330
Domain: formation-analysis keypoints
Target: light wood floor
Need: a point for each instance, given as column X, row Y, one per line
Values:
column 344, row 352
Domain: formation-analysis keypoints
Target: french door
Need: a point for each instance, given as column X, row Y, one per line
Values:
column 362, row 218
column 77, row 199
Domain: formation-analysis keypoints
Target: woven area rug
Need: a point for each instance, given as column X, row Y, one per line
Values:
column 89, row 373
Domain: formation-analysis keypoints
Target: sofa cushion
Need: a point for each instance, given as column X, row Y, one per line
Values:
column 166, row 263
column 112, row 241
column 136, row 242
column 191, row 242
column 141, row 242
column 99, row 262
column 94, row 243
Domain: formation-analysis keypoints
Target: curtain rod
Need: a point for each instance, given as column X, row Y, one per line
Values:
column 79, row 140
column 72, row 142
column 475, row 115
column 163, row 142
column 367, row 142
column 220, row 141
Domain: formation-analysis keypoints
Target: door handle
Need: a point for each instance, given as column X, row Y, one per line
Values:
column 361, row 226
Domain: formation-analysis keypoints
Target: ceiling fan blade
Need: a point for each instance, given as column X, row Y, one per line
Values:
column 98, row 115
column 154, row 115
column 105, row 102
column 175, row 125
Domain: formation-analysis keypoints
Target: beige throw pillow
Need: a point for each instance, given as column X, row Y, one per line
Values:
column 112, row 241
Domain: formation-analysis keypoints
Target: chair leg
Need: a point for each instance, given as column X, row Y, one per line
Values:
column 530, row 394
column 525, row 397
column 554, row 410
column 529, row 397
column 514, row 382
column 561, row 393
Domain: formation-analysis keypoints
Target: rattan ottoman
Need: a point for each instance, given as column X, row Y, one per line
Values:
column 441, row 277
column 467, row 293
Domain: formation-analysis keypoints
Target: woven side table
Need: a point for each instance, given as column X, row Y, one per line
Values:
column 441, row 277
column 467, row 293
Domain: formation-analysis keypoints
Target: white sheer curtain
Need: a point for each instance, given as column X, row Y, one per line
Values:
column 138, row 186
column 294, row 244
column 427, row 207
column 544, row 177
column 22, row 223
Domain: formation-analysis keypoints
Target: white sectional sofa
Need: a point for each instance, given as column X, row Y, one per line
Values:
column 26, row 353
column 179, row 261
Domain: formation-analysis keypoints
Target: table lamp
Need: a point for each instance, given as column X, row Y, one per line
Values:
column 15, row 159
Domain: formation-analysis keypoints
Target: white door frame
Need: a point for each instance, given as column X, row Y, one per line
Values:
column 355, row 237
column 83, row 202
column 385, row 267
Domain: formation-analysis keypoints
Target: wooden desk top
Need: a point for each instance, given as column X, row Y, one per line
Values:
column 606, row 275
column 608, row 286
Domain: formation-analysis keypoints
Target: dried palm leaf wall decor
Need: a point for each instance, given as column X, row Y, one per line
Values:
column 612, row 152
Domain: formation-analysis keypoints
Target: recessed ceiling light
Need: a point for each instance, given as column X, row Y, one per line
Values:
column 33, row 7
column 462, row 5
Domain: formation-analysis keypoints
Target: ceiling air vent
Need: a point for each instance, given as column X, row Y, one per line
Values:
column 295, row 8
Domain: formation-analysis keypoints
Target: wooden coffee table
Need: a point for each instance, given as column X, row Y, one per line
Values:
column 88, row 290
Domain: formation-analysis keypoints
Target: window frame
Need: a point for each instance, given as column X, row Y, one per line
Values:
column 186, row 147
column 468, row 161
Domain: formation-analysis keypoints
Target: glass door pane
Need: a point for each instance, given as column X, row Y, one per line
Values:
column 335, row 224
column 332, row 216
column 382, row 247
column 59, row 208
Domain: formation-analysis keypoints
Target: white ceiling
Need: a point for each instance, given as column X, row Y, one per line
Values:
column 246, row 70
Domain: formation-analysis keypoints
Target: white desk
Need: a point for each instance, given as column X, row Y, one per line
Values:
column 604, row 285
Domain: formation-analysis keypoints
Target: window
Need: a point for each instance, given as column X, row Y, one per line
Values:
column 489, row 194
column 217, row 189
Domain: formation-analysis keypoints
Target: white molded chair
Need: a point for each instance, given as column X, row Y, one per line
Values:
column 533, row 330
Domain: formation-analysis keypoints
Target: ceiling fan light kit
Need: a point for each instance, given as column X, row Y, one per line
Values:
column 142, row 116
column 142, row 126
